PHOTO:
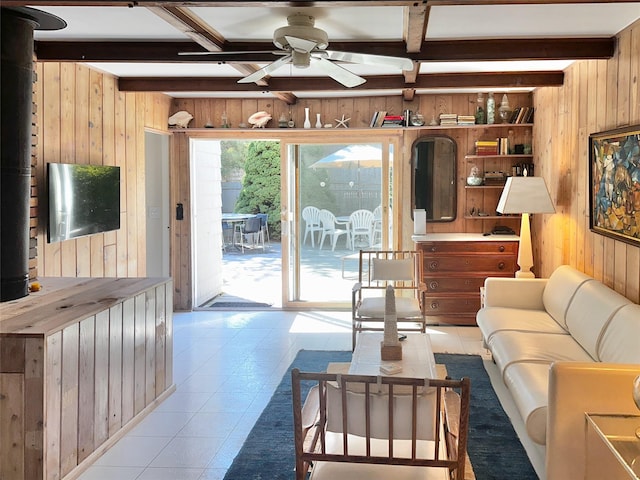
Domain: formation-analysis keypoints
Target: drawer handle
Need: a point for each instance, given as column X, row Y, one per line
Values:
column 433, row 265
column 501, row 248
column 433, row 285
column 435, row 305
column 501, row 266
column 434, row 249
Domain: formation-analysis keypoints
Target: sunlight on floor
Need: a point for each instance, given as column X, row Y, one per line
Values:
column 318, row 322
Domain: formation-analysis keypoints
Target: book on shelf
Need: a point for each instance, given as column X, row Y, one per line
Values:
column 377, row 119
column 521, row 115
column 494, row 178
column 466, row 120
column 448, row 119
column 393, row 121
column 486, row 147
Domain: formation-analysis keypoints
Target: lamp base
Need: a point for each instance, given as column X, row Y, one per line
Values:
column 524, row 274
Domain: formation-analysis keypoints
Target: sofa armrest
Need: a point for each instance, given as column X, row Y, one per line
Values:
column 576, row 388
column 514, row 292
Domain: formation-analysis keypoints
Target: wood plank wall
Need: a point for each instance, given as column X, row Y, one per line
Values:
column 597, row 95
column 83, row 118
column 360, row 110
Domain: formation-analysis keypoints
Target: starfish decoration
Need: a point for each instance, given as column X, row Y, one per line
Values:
column 343, row 122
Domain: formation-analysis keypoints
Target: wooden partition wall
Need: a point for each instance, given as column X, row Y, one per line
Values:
column 81, row 362
column 597, row 95
column 81, row 117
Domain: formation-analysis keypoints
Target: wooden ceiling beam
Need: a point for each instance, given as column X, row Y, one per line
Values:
column 432, row 51
column 185, row 21
column 306, row 84
column 415, row 26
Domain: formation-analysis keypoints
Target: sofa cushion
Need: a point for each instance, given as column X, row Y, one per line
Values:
column 497, row 319
column 528, row 384
column 560, row 289
column 592, row 307
column 620, row 340
column 510, row 347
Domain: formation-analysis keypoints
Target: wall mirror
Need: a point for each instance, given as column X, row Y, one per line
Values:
column 434, row 177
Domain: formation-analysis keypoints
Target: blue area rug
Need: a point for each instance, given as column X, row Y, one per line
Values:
column 494, row 448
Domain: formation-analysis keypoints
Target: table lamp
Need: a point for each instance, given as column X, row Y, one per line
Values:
column 525, row 195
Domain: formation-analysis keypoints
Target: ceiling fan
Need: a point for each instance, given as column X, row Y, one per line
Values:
column 301, row 43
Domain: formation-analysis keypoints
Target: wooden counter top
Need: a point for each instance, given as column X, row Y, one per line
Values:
column 62, row 301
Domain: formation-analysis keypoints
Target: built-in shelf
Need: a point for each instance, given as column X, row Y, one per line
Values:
column 492, row 217
column 484, row 186
column 505, row 157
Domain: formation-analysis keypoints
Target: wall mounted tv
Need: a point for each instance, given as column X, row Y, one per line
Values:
column 83, row 200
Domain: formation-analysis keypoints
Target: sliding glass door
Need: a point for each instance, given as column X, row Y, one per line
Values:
column 326, row 183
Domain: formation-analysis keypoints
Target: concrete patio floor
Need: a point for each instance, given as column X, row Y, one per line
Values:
column 255, row 276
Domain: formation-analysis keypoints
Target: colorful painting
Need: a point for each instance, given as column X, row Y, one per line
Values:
column 614, row 183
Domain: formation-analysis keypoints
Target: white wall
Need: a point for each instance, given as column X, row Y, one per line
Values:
column 207, row 219
column 157, row 204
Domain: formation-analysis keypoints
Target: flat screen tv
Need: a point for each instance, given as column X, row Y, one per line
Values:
column 83, row 200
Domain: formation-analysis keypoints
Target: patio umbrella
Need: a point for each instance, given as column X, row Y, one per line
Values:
column 357, row 155
column 366, row 156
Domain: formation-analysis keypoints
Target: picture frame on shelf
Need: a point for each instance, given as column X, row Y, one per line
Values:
column 614, row 184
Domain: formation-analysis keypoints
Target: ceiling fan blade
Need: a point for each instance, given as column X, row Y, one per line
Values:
column 300, row 44
column 272, row 67
column 365, row 58
column 338, row 73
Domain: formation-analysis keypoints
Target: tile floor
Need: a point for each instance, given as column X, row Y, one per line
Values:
column 226, row 367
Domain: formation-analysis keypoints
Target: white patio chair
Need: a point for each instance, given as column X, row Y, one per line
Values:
column 328, row 221
column 377, row 224
column 361, row 225
column 311, row 217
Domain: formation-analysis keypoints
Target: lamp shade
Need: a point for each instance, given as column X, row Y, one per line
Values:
column 525, row 195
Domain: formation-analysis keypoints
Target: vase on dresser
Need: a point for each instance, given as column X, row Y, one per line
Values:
column 307, row 122
column 318, row 122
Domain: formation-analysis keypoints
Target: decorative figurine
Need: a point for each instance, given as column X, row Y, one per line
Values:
column 259, row 119
column 180, row 119
column 343, row 122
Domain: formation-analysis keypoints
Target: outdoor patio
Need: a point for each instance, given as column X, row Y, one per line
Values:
column 253, row 279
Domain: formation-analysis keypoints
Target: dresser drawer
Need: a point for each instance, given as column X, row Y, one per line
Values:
column 443, row 305
column 472, row 264
column 451, row 284
column 436, row 248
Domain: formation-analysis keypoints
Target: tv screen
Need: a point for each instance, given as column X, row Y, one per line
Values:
column 83, row 200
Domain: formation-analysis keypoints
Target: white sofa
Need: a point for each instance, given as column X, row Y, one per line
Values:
column 564, row 346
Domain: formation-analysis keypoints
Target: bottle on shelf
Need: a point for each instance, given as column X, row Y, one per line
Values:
column 527, row 143
column 480, row 112
column 491, row 109
column 307, row 122
column 511, row 142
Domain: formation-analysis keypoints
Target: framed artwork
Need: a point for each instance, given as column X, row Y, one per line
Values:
column 614, row 184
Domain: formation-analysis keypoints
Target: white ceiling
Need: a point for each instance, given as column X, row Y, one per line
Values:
column 343, row 23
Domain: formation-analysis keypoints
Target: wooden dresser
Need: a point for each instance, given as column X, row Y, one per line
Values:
column 455, row 267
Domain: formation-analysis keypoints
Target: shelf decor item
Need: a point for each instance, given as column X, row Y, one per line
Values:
column 505, row 110
column 307, row 122
column 491, row 109
column 474, row 179
column 318, row 122
column 614, row 193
